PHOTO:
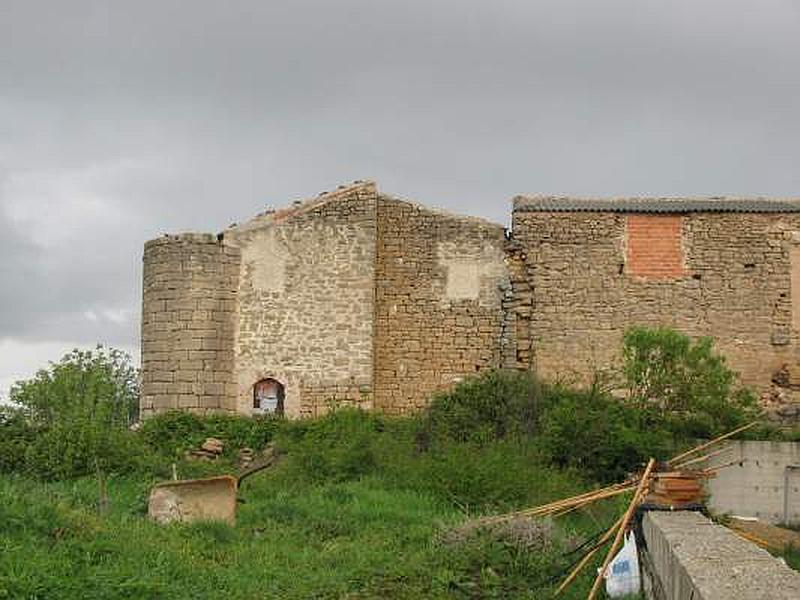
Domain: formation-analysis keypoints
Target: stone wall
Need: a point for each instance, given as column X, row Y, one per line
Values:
column 306, row 301
column 734, row 283
column 361, row 298
column 441, row 280
column 188, row 324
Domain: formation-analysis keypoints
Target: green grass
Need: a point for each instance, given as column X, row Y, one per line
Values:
column 361, row 506
column 791, row 554
column 364, row 538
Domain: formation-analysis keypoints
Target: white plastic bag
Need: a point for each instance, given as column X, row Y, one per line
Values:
column 622, row 575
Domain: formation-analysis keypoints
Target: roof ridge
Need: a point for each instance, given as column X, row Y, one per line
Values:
column 442, row 211
column 655, row 204
column 298, row 206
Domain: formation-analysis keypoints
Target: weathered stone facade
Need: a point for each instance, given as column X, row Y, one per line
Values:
column 188, row 324
column 356, row 297
column 307, row 301
column 440, row 282
column 732, row 281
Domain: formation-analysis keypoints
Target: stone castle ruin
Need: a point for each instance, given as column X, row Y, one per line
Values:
column 357, row 297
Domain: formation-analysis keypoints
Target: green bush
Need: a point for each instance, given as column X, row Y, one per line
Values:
column 601, row 436
column 101, row 383
column 73, row 418
column 72, row 449
column 340, row 446
column 682, row 384
column 494, row 564
column 480, row 477
column 492, row 406
column 173, row 432
column 17, row 434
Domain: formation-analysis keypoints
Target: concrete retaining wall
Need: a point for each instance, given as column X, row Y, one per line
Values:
column 759, row 487
column 694, row 559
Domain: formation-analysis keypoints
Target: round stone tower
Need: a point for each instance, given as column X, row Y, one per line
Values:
column 189, row 310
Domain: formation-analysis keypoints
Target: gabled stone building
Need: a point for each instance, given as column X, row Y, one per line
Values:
column 358, row 297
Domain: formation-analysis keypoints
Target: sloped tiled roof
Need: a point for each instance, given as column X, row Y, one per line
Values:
column 655, row 205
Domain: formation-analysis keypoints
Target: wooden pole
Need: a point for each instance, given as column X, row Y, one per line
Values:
column 559, row 505
column 738, row 461
column 710, row 455
column 637, row 496
column 675, row 459
column 571, row 507
column 579, row 567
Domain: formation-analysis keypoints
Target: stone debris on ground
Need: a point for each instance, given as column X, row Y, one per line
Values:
column 245, row 457
column 210, row 450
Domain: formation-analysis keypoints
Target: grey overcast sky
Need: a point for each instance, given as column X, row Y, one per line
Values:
column 123, row 120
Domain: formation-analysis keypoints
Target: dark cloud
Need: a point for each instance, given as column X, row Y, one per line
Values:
column 121, row 120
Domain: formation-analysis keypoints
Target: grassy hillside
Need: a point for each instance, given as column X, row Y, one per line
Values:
column 361, row 505
column 362, row 538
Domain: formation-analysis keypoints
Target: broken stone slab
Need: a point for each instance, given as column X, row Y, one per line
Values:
column 213, row 445
column 201, row 455
column 246, row 457
column 210, row 499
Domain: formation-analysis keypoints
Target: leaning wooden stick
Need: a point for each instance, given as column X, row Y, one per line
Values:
column 555, row 507
column 572, row 507
column 558, row 505
column 676, row 459
column 738, row 461
column 637, row 498
column 710, row 455
column 585, row 560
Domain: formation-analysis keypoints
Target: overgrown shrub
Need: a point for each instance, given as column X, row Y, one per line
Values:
column 337, row 447
column 66, row 450
column 350, row 444
column 73, row 418
column 492, row 406
column 682, row 384
column 496, row 563
column 17, row 434
column 598, row 434
column 480, row 477
column 100, row 383
column 173, row 432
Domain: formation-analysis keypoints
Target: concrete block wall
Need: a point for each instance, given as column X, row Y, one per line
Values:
column 693, row 558
column 757, row 488
column 189, row 312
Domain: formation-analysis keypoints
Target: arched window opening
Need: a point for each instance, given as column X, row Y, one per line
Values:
column 268, row 395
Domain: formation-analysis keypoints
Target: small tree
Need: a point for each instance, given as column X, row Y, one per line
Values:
column 81, row 408
column 683, row 382
column 101, row 384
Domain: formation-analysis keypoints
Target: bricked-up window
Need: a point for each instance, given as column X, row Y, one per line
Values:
column 654, row 246
column 268, row 396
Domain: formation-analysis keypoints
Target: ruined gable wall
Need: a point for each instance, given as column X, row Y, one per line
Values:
column 440, row 284
column 306, row 302
column 588, row 286
column 188, row 321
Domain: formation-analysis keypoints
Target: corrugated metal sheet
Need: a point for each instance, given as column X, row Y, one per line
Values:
column 654, row 205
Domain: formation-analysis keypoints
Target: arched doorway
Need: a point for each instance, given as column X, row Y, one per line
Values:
column 268, row 395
